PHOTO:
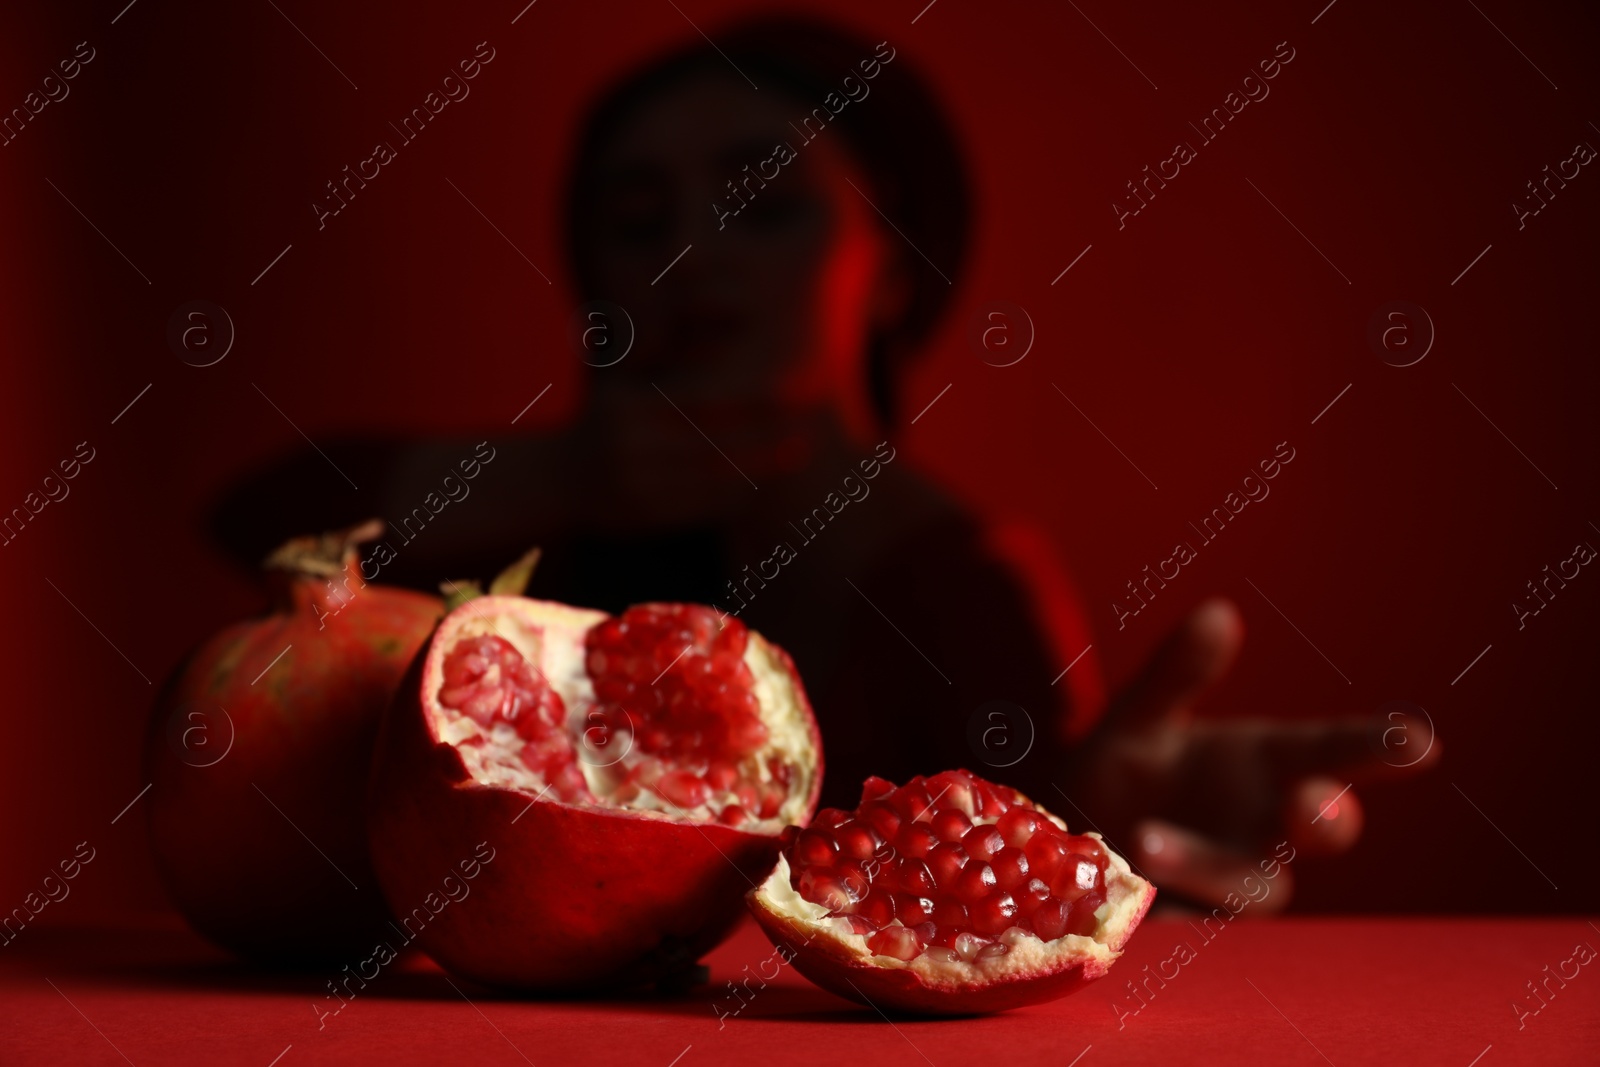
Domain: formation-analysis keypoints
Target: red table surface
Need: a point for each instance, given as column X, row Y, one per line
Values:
column 1295, row 991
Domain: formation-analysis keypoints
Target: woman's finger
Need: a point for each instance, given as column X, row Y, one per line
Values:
column 1197, row 652
column 1322, row 816
column 1353, row 748
column 1182, row 862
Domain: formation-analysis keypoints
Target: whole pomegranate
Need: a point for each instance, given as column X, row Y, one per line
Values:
column 259, row 752
column 948, row 895
column 621, row 781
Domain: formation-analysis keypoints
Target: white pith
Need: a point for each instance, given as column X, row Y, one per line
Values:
column 1026, row 953
column 550, row 636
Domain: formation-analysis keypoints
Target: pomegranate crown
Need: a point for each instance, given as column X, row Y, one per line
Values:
column 322, row 555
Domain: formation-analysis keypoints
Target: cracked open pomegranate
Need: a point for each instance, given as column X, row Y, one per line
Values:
column 633, row 775
column 948, row 895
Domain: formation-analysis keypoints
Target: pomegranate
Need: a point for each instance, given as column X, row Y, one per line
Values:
column 258, row 754
column 630, row 775
column 948, row 895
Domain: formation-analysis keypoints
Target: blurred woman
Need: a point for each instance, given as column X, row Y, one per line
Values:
column 760, row 264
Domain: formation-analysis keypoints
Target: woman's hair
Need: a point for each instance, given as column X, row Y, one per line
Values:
column 897, row 135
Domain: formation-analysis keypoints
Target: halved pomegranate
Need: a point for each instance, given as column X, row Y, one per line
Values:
column 949, row 895
column 632, row 776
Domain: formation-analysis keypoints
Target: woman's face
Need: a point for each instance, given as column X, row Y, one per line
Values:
column 769, row 309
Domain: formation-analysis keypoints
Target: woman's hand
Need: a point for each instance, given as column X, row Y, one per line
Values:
column 1196, row 805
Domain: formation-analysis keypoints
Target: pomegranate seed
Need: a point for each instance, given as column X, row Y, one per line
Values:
column 874, row 788
column 915, row 877
column 945, row 863
column 646, row 772
column 1017, row 826
column 912, row 910
column 950, row 915
column 878, row 908
column 911, row 800
column 814, row 848
column 949, row 825
column 1050, row 921
column 781, row 772
column 1076, row 877
column 822, row 886
column 915, row 839
column 772, row 797
column 883, row 819
column 721, row 776
column 853, row 879
column 993, row 805
column 1081, row 919
column 566, row 781
column 746, row 731
column 993, row 950
column 899, row 942
column 855, row 841
column 993, row 913
column 829, row 818
column 941, row 955
column 1082, row 844
column 1010, row 867
column 1088, row 846
column 1032, row 896
column 953, row 790
column 974, row 883
column 857, row 924
column 982, row 842
column 682, row 788
column 883, row 871
column 731, row 640
column 733, row 815
column 968, row 946
column 1046, row 855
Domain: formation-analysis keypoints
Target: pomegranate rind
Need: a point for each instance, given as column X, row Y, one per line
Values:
column 1032, row 971
column 577, row 896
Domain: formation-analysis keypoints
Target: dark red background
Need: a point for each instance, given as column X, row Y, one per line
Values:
column 1197, row 338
